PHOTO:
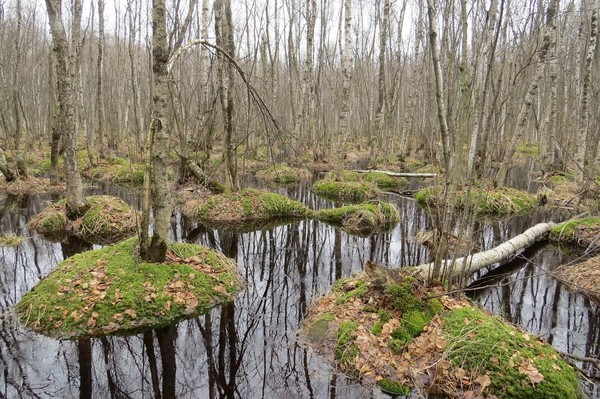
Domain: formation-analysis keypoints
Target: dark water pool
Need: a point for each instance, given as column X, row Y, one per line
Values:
column 249, row 349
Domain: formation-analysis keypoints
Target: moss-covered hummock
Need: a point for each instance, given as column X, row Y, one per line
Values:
column 11, row 240
column 243, row 206
column 109, row 290
column 363, row 218
column 518, row 365
column 346, row 191
column 400, row 338
column 116, row 170
column 283, row 174
column 484, row 202
column 107, row 220
column 583, row 231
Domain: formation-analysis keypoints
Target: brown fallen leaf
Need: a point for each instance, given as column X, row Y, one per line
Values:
column 484, row 381
column 131, row 313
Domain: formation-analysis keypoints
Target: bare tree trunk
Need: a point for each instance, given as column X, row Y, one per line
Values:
column 347, row 73
column 224, row 35
column 531, row 93
column 582, row 135
column 439, row 88
column 547, row 142
column 54, row 109
column 156, row 196
column 472, row 263
column 379, row 122
column 75, row 199
column 20, row 160
column 4, row 169
column 100, row 81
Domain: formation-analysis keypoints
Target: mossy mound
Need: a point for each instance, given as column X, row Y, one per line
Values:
column 346, row 191
column 518, row 365
column 11, row 240
column 109, row 290
column 283, row 174
column 244, row 206
column 116, row 170
column 397, row 337
column 364, row 218
column 583, row 231
column 380, row 179
column 107, row 220
column 502, row 201
column 31, row 185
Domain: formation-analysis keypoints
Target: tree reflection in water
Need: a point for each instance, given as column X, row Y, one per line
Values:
column 249, row 348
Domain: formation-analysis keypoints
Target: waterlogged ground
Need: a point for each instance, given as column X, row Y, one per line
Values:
column 249, row 349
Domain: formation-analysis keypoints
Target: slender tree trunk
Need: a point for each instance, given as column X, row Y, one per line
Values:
column 531, row 93
column 439, row 88
column 54, row 119
column 586, row 96
column 157, row 197
column 379, row 114
column 75, row 199
column 347, row 74
column 100, row 81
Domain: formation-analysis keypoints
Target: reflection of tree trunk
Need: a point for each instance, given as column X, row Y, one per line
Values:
column 84, row 347
column 73, row 245
column 207, row 336
column 166, row 341
column 337, row 253
column 149, row 345
column 227, row 340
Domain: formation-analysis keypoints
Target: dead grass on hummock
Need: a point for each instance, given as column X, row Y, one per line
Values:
column 583, row 277
column 32, row 185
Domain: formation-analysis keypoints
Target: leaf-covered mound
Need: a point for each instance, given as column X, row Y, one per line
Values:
column 283, row 174
column 107, row 220
column 31, row 185
column 109, row 290
column 244, row 205
column 116, row 170
column 583, row 232
column 483, row 202
column 362, row 218
column 582, row 277
column 382, row 328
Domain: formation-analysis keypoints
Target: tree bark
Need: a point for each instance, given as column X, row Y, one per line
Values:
column 347, row 73
column 75, row 199
column 100, row 80
column 470, row 264
column 156, row 196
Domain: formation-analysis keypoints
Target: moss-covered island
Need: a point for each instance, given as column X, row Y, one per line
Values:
column 392, row 333
column 363, row 218
column 283, row 174
column 502, row 201
column 106, row 221
column 349, row 186
column 582, row 231
column 247, row 205
column 109, row 290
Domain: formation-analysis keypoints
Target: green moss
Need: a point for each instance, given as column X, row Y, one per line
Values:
column 11, row 240
column 528, row 148
column 502, row 201
column 392, row 387
column 244, row 205
column 483, row 344
column 403, row 297
column 349, row 191
column 131, row 175
column 384, row 181
column 110, row 290
column 283, row 174
column 384, row 317
column 360, row 290
column 365, row 218
column 345, row 350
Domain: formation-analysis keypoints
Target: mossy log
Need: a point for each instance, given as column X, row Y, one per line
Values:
column 472, row 263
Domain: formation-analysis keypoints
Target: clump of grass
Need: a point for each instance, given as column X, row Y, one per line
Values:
column 110, row 290
column 244, row 205
column 528, row 149
column 11, row 240
column 484, row 202
column 392, row 387
column 283, row 174
column 345, row 349
column 519, row 366
column 384, row 181
column 360, row 290
column 106, row 220
column 365, row 217
column 130, row 175
column 347, row 191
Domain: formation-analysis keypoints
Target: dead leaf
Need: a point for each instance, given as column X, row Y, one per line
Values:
column 484, row 381
column 527, row 368
column 131, row 313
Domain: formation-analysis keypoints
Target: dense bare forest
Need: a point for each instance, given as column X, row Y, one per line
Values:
column 463, row 83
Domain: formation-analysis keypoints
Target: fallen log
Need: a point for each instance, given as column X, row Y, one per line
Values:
column 397, row 174
column 472, row 263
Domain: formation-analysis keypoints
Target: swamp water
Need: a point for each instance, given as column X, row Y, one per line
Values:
column 250, row 349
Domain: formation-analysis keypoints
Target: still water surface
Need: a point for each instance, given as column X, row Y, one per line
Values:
column 249, row 349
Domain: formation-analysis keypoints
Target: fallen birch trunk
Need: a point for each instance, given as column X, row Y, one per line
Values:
column 397, row 174
column 472, row 263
